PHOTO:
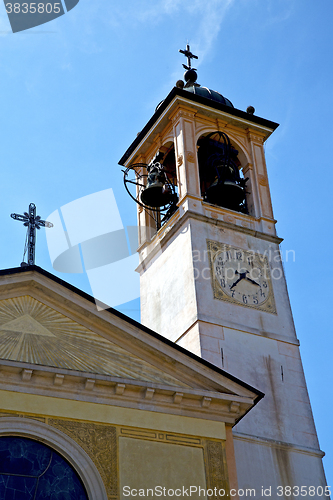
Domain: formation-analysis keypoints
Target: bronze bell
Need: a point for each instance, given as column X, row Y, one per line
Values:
column 226, row 190
column 227, row 194
column 157, row 192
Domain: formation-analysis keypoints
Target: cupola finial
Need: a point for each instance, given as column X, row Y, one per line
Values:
column 190, row 74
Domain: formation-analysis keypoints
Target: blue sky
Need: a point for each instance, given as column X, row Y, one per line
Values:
column 76, row 91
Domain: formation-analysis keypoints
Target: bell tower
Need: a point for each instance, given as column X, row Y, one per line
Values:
column 211, row 274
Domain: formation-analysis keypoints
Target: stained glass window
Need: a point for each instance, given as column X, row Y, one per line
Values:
column 30, row 470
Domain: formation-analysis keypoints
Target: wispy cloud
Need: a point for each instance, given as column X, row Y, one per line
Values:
column 208, row 17
column 282, row 13
column 212, row 15
column 148, row 12
column 204, row 21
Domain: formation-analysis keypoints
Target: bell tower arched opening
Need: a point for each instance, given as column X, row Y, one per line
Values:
column 159, row 193
column 221, row 179
column 169, row 167
column 153, row 186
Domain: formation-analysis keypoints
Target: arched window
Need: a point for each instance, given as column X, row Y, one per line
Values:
column 221, row 178
column 30, row 470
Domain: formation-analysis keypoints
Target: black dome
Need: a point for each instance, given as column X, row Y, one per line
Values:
column 209, row 94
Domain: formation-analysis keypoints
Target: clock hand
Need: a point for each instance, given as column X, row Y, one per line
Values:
column 252, row 281
column 243, row 277
column 239, row 279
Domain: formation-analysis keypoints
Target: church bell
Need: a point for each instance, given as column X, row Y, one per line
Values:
column 222, row 184
column 227, row 189
column 157, row 192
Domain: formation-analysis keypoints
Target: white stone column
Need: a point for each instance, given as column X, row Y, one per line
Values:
column 186, row 153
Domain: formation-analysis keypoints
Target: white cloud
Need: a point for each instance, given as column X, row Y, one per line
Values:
column 212, row 16
column 279, row 12
column 204, row 21
column 207, row 16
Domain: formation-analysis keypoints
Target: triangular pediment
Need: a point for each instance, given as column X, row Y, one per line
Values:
column 49, row 326
column 32, row 332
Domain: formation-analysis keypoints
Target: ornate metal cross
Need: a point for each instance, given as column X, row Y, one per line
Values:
column 187, row 53
column 32, row 222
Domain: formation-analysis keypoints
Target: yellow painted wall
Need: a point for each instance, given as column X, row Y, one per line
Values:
column 96, row 412
column 152, row 465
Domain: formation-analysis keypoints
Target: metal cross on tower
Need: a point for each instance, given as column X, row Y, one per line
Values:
column 32, row 222
column 187, row 53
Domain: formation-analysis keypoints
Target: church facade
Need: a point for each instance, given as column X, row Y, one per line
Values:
column 94, row 406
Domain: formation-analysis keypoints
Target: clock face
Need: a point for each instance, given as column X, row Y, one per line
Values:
column 241, row 276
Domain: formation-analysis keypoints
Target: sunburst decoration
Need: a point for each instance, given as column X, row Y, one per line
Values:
column 34, row 333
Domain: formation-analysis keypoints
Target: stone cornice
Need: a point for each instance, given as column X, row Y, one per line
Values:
column 101, row 389
column 240, row 436
column 172, row 226
column 194, row 103
column 202, row 318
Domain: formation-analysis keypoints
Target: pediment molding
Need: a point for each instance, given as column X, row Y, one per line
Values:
column 102, row 389
column 210, row 386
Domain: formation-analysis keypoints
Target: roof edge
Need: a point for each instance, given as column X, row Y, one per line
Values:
column 200, row 100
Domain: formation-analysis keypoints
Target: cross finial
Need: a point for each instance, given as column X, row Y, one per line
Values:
column 32, row 222
column 187, row 53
